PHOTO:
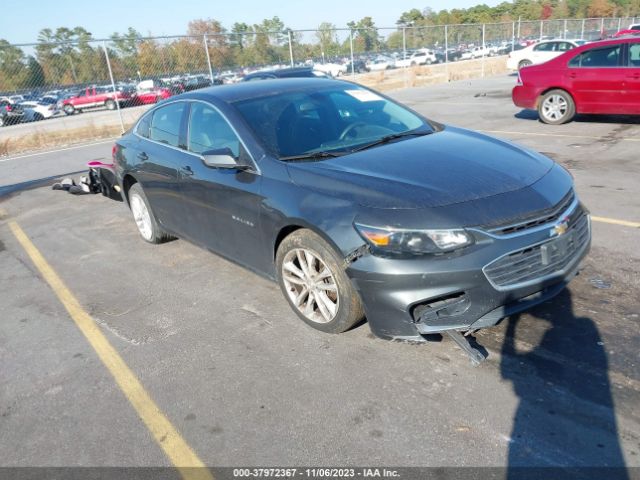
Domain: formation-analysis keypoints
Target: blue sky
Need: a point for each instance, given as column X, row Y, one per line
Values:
column 22, row 20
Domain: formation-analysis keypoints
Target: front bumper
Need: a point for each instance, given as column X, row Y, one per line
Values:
column 407, row 298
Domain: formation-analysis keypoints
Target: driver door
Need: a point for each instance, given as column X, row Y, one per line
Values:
column 222, row 206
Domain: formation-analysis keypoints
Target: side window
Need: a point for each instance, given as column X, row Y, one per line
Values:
column 598, row 57
column 208, row 130
column 166, row 122
column 544, row 47
column 563, row 46
column 634, row 55
column 144, row 126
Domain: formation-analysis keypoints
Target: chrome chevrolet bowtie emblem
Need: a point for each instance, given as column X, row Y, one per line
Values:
column 560, row 228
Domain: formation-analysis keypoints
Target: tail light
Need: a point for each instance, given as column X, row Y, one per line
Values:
column 8, row 108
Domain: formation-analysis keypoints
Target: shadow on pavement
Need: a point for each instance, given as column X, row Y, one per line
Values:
column 40, row 182
column 583, row 118
column 565, row 418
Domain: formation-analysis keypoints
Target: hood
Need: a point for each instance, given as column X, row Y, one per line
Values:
column 447, row 167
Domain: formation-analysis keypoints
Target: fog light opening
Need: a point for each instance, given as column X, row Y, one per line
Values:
column 445, row 306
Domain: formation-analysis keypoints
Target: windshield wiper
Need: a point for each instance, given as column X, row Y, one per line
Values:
column 388, row 138
column 311, row 156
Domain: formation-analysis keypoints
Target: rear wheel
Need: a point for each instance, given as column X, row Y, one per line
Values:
column 146, row 222
column 110, row 104
column 69, row 109
column 313, row 281
column 37, row 117
column 2, row 122
column 556, row 107
column 524, row 63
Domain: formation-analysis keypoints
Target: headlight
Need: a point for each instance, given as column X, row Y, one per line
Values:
column 414, row 241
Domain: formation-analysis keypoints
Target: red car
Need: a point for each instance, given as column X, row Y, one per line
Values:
column 599, row 77
column 92, row 97
column 150, row 91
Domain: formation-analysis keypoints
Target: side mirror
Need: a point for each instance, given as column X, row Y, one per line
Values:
column 222, row 158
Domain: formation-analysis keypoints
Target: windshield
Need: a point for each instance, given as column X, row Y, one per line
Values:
column 336, row 119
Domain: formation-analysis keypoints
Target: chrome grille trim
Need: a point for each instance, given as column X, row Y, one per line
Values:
column 540, row 227
column 525, row 266
column 543, row 218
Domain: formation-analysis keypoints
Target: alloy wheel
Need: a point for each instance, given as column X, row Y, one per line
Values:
column 310, row 285
column 141, row 216
column 555, row 107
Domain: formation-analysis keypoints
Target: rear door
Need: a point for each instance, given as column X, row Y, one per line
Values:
column 596, row 78
column 222, row 205
column 543, row 51
column 632, row 80
column 159, row 153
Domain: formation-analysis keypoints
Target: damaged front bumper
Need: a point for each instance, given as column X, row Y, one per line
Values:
column 406, row 298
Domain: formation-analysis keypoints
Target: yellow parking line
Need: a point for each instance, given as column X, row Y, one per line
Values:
column 616, row 222
column 559, row 135
column 168, row 438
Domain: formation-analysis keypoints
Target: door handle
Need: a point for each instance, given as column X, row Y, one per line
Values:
column 143, row 156
column 635, row 76
column 573, row 75
column 186, row 170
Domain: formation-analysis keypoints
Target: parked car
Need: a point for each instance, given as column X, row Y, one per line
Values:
column 92, row 97
column 10, row 113
column 355, row 204
column 381, row 62
column 540, row 52
column 420, row 57
column 35, row 111
column 299, row 72
column 359, row 66
column 196, row 82
column 331, row 69
column 600, row 77
column 151, row 91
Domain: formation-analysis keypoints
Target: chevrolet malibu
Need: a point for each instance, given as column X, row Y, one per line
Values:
column 357, row 206
column 601, row 78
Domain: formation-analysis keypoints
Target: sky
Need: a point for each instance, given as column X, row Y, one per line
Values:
column 22, row 20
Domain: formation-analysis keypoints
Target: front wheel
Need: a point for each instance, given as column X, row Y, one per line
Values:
column 556, row 107
column 146, row 222
column 69, row 109
column 110, row 104
column 313, row 281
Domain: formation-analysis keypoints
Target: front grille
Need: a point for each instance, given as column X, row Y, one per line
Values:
column 538, row 218
column 540, row 261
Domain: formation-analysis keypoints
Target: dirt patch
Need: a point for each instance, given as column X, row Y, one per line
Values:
column 419, row 76
column 42, row 140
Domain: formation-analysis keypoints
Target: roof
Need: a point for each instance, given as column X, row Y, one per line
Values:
column 244, row 90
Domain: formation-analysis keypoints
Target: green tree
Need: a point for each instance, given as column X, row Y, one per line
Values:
column 365, row 35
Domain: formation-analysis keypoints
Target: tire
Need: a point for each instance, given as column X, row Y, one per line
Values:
column 556, row 107
column 38, row 117
column 2, row 122
column 524, row 63
column 69, row 109
column 145, row 220
column 110, row 104
column 342, row 307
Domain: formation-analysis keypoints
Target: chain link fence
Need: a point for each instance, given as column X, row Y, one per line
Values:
column 48, row 80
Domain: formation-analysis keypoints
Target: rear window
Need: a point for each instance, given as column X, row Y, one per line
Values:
column 166, row 122
column 598, row 57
